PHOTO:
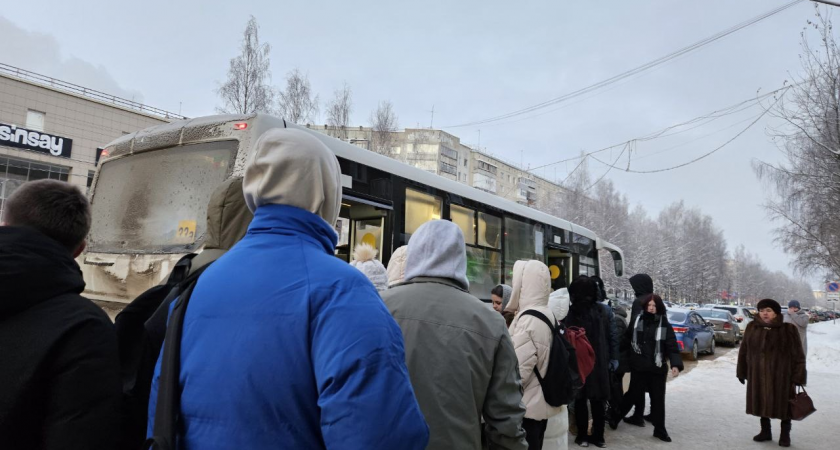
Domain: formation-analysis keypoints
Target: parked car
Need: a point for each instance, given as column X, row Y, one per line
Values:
column 814, row 318
column 694, row 334
column 727, row 331
column 742, row 315
column 692, row 306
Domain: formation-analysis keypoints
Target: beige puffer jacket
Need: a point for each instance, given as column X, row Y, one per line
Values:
column 531, row 337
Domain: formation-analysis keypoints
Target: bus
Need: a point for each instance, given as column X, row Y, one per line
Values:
column 150, row 193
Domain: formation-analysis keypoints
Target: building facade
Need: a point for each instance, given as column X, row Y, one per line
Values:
column 52, row 129
column 442, row 153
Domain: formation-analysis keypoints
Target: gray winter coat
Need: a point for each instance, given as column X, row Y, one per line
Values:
column 800, row 319
column 458, row 351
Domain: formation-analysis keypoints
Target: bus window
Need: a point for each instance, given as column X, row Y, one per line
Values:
column 519, row 244
column 489, row 231
column 465, row 219
column 560, row 268
column 484, row 271
column 419, row 209
column 369, row 232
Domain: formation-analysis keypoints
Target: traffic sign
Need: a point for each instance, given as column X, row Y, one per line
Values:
column 834, row 286
column 832, row 296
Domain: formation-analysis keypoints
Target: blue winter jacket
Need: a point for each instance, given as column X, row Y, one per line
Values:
column 286, row 346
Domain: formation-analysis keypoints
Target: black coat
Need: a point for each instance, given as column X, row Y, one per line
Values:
column 597, row 324
column 646, row 362
column 59, row 371
column 620, row 320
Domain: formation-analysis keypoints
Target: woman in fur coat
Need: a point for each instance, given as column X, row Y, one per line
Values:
column 772, row 363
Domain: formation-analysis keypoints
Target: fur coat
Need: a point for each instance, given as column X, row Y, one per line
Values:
column 772, row 362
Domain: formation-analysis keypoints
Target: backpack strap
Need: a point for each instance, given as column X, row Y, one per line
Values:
column 181, row 270
column 169, row 394
column 541, row 316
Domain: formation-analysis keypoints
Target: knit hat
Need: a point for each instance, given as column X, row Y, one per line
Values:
column 396, row 266
column 794, row 304
column 364, row 259
column 769, row 303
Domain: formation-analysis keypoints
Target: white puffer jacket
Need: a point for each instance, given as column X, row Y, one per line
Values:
column 531, row 336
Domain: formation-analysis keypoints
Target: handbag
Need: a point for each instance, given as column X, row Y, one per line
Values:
column 801, row 405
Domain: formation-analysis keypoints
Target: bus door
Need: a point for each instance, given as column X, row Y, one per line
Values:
column 361, row 221
column 559, row 261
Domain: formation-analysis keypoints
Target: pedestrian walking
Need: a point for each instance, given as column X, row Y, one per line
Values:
column 59, row 369
column 364, row 259
column 796, row 316
column 653, row 345
column 642, row 285
column 460, row 356
column 500, row 296
column 396, row 266
column 586, row 313
column 771, row 362
column 532, row 341
column 284, row 344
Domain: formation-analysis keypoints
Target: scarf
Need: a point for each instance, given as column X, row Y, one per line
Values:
column 639, row 327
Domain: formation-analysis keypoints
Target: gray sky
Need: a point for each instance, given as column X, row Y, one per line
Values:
column 470, row 60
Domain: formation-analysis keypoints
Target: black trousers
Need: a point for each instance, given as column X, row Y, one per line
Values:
column 654, row 384
column 534, row 432
column 582, row 419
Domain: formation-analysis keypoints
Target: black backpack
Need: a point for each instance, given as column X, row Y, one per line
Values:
column 141, row 328
column 561, row 383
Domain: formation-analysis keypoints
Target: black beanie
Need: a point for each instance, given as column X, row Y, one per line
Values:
column 770, row 303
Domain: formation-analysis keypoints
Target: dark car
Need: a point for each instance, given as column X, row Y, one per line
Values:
column 727, row 331
column 694, row 334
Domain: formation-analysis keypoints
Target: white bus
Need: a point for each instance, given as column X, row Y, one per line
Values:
column 151, row 190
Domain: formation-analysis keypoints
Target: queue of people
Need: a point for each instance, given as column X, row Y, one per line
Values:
column 283, row 344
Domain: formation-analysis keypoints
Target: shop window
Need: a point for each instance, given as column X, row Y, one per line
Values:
column 35, row 120
column 419, row 209
column 465, row 219
column 489, row 231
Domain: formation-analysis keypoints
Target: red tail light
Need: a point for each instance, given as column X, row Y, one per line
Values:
column 727, row 326
column 240, row 126
column 682, row 346
column 680, row 329
column 739, row 319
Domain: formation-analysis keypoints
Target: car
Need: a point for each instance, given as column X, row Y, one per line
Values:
column 691, row 306
column 813, row 317
column 742, row 314
column 727, row 331
column 694, row 334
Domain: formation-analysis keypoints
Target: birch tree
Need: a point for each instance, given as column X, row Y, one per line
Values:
column 297, row 102
column 339, row 110
column 383, row 123
column 248, row 87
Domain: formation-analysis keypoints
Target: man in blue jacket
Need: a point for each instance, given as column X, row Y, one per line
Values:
column 285, row 345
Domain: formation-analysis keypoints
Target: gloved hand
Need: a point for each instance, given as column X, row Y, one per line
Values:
column 743, row 381
column 613, row 365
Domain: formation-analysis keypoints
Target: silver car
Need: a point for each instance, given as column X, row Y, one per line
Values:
column 727, row 331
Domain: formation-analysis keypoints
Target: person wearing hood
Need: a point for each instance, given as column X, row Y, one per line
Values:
column 771, row 362
column 141, row 328
column 500, row 296
column 364, row 259
column 653, row 345
column 796, row 316
column 642, row 285
column 396, row 266
column 586, row 313
column 460, row 356
column 59, row 381
column 284, row 344
column 532, row 341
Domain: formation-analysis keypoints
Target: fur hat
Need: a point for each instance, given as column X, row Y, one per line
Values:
column 769, row 303
column 364, row 259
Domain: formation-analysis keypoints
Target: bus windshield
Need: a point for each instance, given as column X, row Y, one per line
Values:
column 156, row 201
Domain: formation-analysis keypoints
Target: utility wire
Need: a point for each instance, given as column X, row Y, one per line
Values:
column 634, row 71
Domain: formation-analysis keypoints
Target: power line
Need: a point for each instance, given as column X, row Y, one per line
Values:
column 634, row 71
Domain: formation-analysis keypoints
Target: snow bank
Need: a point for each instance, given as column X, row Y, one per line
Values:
column 824, row 347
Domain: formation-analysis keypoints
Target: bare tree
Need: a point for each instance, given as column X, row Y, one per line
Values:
column 806, row 183
column 338, row 111
column 383, row 122
column 297, row 103
column 247, row 89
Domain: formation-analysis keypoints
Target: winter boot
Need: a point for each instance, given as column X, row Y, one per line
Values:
column 784, row 439
column 635, row 420
column 765, row 434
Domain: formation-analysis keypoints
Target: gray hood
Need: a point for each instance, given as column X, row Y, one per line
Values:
column 292, row 167
column 437, row 250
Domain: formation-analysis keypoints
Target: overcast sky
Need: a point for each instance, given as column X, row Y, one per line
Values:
column 469, row 60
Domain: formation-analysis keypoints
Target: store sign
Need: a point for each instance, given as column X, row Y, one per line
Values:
column 15, row 136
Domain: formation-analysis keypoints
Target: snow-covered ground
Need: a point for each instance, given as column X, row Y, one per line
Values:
column 705, row 407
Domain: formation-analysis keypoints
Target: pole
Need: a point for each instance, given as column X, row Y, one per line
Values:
column 826, row 2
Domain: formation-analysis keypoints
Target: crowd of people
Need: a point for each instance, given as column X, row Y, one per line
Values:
column 281, row 344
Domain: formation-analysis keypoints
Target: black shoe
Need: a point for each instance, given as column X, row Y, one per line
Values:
column 613, row 423
column 647, row 418
column 662, row 435
column 635, row 420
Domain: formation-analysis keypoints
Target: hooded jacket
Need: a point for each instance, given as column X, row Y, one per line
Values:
column 283, row 343
column 642, row 285
column 531, row 337
column 396, row 266
column 459, row 354
column 228, row 218
column 800, row 319
column 59, row 371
